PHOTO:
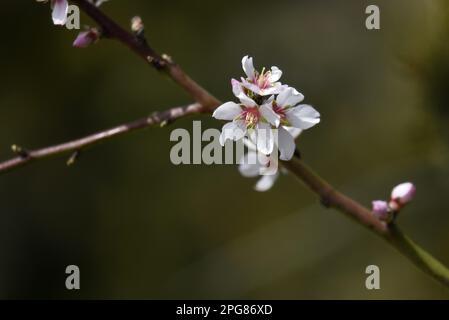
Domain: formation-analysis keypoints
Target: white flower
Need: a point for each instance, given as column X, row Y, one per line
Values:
column 264, row 83
column 254, row 164
column 268, row 119
column 60, row 9
column 98, row 2
column 291, row 114
column 247, row 119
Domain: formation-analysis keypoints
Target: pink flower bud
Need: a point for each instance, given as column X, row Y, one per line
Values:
column 380, row 209
column 403, row 193
column 86, row 38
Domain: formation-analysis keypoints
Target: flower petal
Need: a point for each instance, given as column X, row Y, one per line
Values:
column 286, row 144
column 275, row 89
column 265, row 183
column 232, row 130
column 265, row 141
column 237, row 88
column 248, row 67
column 275, row 74
column 403, row 193
column 249, row 165
column 303, row 116
column 246, row 101
column 289, row 97
column 295, row 132
column 227, row 111
column 60, row 11
column 252, row 87
column 269, row 164
column 267, row 112
column 248, row 143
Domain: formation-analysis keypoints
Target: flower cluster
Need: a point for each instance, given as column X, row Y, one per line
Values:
column 400, row 196
column 268, row 117
column 265, row 104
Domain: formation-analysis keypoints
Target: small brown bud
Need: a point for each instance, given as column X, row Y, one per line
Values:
column 137, row 25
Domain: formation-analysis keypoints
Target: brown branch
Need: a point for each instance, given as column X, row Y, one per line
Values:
column 330, row 197
column 110, row 29
column 391, row 233
column 158, row 118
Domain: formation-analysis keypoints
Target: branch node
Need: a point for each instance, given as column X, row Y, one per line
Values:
column 21, row 152
column 138, row 28
column 156, row 62
column 168, row 59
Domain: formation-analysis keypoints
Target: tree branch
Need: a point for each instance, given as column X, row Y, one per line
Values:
column 158, row 118
column 164, row 63
column 391, row 233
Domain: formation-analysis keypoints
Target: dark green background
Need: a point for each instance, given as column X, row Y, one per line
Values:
column 140, row 227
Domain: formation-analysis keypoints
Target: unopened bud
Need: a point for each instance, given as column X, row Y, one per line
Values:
column 86, row 38
column 381, row 210
column 137, row 25
column 403, row 193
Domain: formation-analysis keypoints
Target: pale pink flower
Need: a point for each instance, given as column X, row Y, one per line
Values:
column 264, row 83
column 247, row 118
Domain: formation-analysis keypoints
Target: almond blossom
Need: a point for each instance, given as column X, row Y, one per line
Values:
column 268, row 118
column 247, row 118
column 263, row 83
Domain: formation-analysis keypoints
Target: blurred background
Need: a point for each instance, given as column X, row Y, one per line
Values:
column 141, row 228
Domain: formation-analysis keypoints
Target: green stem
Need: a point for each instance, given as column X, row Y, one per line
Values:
column 420, row 257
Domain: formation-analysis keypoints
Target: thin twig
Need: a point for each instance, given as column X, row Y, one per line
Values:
column 163, row 117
